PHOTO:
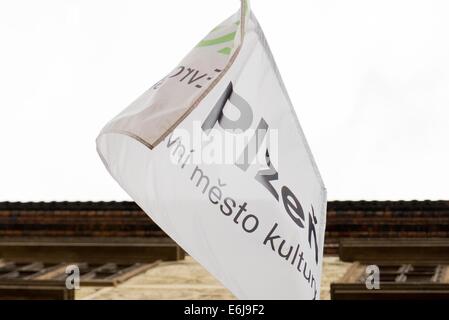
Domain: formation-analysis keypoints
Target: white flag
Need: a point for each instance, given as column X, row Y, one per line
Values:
column 214, row 154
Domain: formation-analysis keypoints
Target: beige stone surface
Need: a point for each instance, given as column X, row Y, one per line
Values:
column 333, row 270
column 187, row 279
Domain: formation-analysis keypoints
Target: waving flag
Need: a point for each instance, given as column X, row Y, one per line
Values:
column 215, row 155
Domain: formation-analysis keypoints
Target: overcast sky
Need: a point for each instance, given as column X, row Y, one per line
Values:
column 369, row 81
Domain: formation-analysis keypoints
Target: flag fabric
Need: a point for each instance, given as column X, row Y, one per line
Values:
column 215, row 155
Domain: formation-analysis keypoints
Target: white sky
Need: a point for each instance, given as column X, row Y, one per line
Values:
column 369, row 81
